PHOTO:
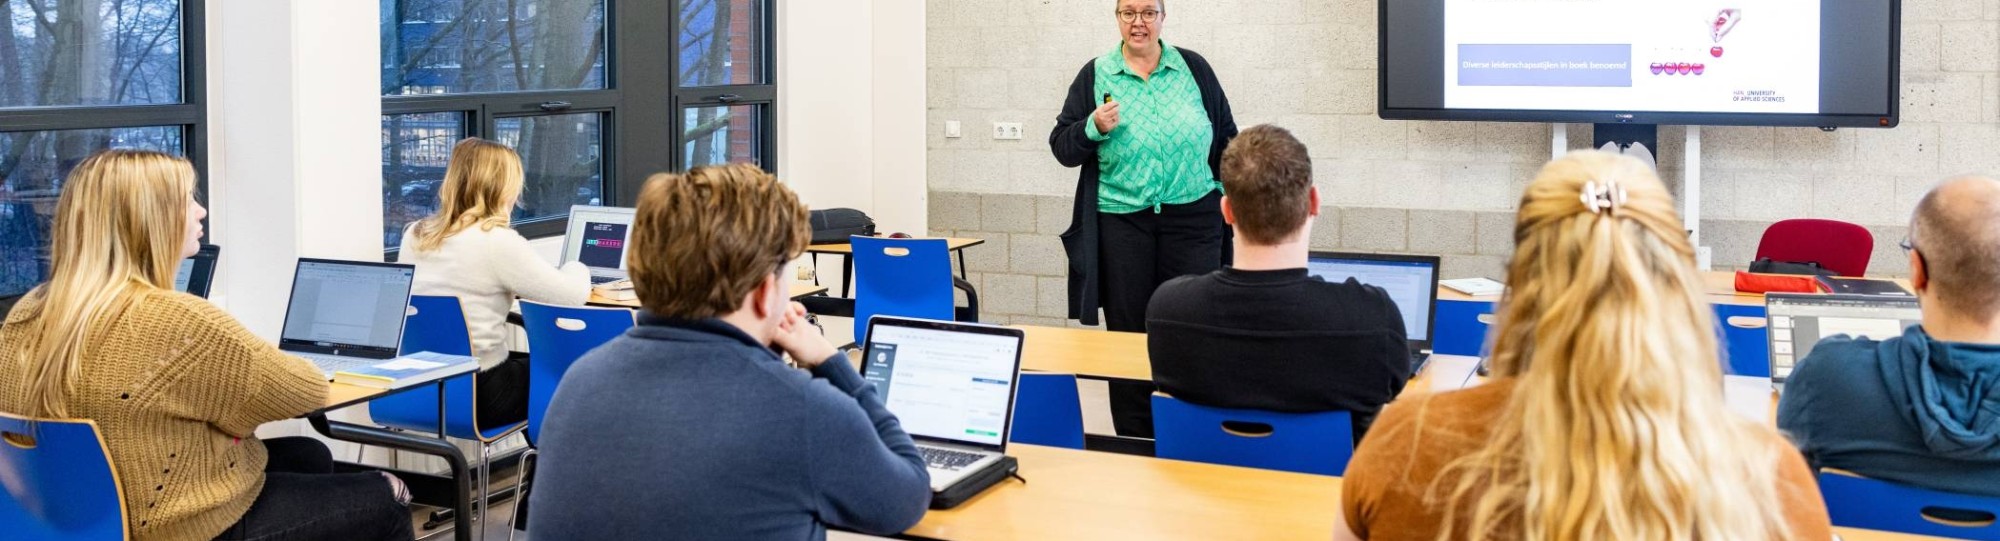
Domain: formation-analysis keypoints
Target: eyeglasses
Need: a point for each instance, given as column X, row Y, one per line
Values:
column 1907, row 246
column 1147, row 15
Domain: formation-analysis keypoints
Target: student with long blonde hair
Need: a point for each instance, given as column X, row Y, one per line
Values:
column 467, row 250
column 175, row 384
column 1605, row 417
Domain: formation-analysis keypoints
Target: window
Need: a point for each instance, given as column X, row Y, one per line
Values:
column 79, row 76
column 569, row 84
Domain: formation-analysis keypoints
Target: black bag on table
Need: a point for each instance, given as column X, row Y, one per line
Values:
column 1806, row 268
column 833, row 226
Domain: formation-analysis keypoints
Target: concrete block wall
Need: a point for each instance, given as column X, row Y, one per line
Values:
column 1443, row 188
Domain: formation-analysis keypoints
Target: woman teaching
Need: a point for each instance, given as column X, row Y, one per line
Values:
column 1147, row 122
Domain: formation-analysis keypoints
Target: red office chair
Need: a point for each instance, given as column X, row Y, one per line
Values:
column 1837, row 246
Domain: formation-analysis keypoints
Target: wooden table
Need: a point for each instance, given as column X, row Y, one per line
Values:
column 798, row 290
column 1074, row 494
column 1719, row 286
column 846, row 253
column 1092, row 495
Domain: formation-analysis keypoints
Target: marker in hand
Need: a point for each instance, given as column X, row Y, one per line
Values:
column 1106, row 116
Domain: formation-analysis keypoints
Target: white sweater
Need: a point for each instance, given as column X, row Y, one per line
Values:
column 486, row 270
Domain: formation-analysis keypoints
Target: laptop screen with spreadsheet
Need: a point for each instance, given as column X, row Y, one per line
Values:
column 347, row 305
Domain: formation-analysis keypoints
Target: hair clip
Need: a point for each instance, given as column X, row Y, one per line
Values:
column 1601, row 197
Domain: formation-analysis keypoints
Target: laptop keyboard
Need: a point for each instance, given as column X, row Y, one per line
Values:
column 598, row 280
column 332, row 363
column 946, row 459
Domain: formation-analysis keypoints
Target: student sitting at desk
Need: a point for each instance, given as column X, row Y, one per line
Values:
column 1261, row 333
column 177, row 387
column 690, row 426
column 467, row 250
column 1605, row 416
column 1919, row 408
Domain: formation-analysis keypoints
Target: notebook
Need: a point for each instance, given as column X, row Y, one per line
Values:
column 406, row 370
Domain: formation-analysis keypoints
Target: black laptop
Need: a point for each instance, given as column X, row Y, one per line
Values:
column 1411, row 280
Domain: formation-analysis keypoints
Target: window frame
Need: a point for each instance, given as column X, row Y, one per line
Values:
column 640, row 105
column 190, row 114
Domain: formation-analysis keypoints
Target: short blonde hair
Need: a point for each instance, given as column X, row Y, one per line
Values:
column 704, row 239
column 480, row 186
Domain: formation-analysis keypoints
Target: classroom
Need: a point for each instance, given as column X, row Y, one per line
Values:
column 982, row 270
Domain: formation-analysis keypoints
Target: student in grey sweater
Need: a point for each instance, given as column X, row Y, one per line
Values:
column 691, row 426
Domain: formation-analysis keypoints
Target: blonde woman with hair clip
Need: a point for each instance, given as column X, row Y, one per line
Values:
column 176, row 385
column 467, row 250
column 1605, row 416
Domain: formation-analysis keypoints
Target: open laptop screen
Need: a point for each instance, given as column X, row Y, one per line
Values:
column 348, row 305
column 1410, row 280
column 945, row 381
column 597, row 237
column 1797, row 322
column 196, row 273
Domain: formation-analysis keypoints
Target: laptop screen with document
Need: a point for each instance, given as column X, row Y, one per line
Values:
column 347, row 305
column 1797, row 322
column 1411, row 282
column 946, row 381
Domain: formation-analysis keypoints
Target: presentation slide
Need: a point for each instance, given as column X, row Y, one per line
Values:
column 1736, row 56
column 604, row 245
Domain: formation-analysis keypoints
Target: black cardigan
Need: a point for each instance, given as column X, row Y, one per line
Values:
column 1073, row 148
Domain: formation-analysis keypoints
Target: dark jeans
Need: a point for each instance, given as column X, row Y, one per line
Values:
column 303, row 499
column 1138, row 252
column 503, row 392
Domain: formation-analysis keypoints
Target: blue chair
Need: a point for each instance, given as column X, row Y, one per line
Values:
column 437, row 325
column 557, row 337
column 58, row 482
column 1459, row 330
column 1860, row 502
column 1319, row 443
column 1747, row 349
column 904, row 277
column 1047, row 411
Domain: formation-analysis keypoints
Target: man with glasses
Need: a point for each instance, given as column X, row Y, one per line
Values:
column 1147, row 123
column 1921, row 409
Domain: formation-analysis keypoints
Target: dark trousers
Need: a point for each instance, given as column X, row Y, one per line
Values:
column 304, row 499
column 503, row 392
column 1136, row 253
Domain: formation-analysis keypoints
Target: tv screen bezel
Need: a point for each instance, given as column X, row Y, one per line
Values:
column 1683, row 118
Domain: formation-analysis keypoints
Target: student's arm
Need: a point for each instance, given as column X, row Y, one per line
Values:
column 1805, row 509
column 256, row 382
column 1075, row 138
column 531, row 278
column 866, row 471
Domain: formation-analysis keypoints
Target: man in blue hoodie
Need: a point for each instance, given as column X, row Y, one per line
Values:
column 690, row 425
column 1922, row 409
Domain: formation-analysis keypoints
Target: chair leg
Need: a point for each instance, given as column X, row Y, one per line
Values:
column 485, row 493
column 521, row 491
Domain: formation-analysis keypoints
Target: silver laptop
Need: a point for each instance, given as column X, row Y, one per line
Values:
column 1796, row 322
column 1410, row 280
column 345, row 315
column 597, row 237
column 952, row 387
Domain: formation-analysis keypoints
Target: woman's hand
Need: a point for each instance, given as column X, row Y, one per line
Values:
column 1106, row 117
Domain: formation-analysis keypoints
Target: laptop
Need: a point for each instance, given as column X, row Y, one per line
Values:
column 952, row 386
column 597, row 237
column 1411, row 280
column 198, row 272
column 1798, row 321
column 346, row 315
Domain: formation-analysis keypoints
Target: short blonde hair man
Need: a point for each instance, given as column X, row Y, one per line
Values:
column 703, row 240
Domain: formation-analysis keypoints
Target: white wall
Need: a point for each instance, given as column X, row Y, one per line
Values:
column 851, row 107
column 296, row 171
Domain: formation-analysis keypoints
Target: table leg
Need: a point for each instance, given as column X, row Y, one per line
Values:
column 460, row 471
column 847, row 275
column 961, row 264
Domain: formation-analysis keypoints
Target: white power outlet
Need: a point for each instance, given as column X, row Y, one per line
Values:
column 1704, row 258
column 1007, row 130
column 952, row 130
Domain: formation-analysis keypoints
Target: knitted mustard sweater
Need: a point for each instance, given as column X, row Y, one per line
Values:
column 177, row 387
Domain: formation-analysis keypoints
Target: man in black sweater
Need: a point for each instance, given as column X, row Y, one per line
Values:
column 1262, row 333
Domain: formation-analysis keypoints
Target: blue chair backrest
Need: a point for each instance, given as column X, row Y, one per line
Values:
column 56, row 482
column 900, row 277
column 1860, row 502
column 557, row 336
column 1319, row 443
column 1047, row 411
column 437, row 325
column 1746, row 350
